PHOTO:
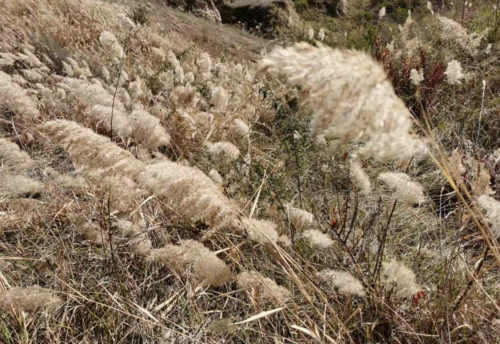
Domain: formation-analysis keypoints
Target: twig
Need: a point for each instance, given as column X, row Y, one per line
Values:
column 471, row 281
column 110, row 233
column 114, row 97
column 354, row 217
column 297, row 162
column 254, row 205
column 116, row 88
column 371, row 221
column 381, row 247
column 380, row 252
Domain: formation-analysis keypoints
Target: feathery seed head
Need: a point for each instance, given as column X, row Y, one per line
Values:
column 12, row 157
column 204, row 63
column 416, row 76
column 381, row 13
column 260, row 231
column 219, row 98
column 321, row 35
column 262, row 288
column 429, row 7
column 359, row 177
column 396, row 275
column 300, row 218
column 451, row 30
column 90, row 150
column 148, row 130
column 158, row 53
column 225, row 149
column 240, row 128
column 310, row 33
column 136, row 88
column 14, row 98
column 216, row 177
column 492, row 207
column 106, row 115
column 404, row 188
column 111, row 44
column 352, row 99
column 19, row 186
column 192, row 193
column 206, row 267
column 184, row 97
column 172, row 59
column 28, row 299
column 317, row 239
column 454, row 73
column 343, row 281
column 138, row 240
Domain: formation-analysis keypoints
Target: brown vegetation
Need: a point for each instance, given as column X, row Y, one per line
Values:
column 162, row 182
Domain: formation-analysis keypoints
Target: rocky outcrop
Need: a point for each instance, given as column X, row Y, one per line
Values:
column 265, row 16
column 201, row 8
column 332, row 8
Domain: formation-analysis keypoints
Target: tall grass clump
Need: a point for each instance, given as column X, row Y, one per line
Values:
column 90, row 150
column 351, row 99
column 190, row 191
column 160, row 187
column 15, row 99
column 15, row 166
column 192, row 257
column 30, row 299
column 352, row 103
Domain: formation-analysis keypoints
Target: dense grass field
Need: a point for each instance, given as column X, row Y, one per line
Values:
column 328, row 176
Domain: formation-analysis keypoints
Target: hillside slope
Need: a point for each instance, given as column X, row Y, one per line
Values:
column 167, row 179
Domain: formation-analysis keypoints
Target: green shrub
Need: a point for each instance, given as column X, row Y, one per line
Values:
column 301, row 5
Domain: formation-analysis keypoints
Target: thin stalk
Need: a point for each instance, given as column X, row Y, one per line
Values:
column 481, row 111
column 110, row 233
column 380, row 252
column 297, row 162
column 114, row 97
column 471, row 281
column 354, row 217
column 463, row 11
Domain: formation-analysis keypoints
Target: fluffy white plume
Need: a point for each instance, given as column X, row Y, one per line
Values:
column 453, row 31
column 317, row 239
column 12, row 157
column 190, row 191
column 28, row 299
column 262, row 288
column 343, row 281
column 224, row 149
column 300, row 218
column 261, row 231
column 492, row 207
column 90, row 150
column 14, row 98
column 416, row 76
column 396, row 275
column 111, row 44
column 352, row 99
column 404, row 188
column 147, row 129
column 359, row 177
column 454, row 73
column 190, row 255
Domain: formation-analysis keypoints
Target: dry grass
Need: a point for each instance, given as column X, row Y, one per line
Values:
column 174, row 196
